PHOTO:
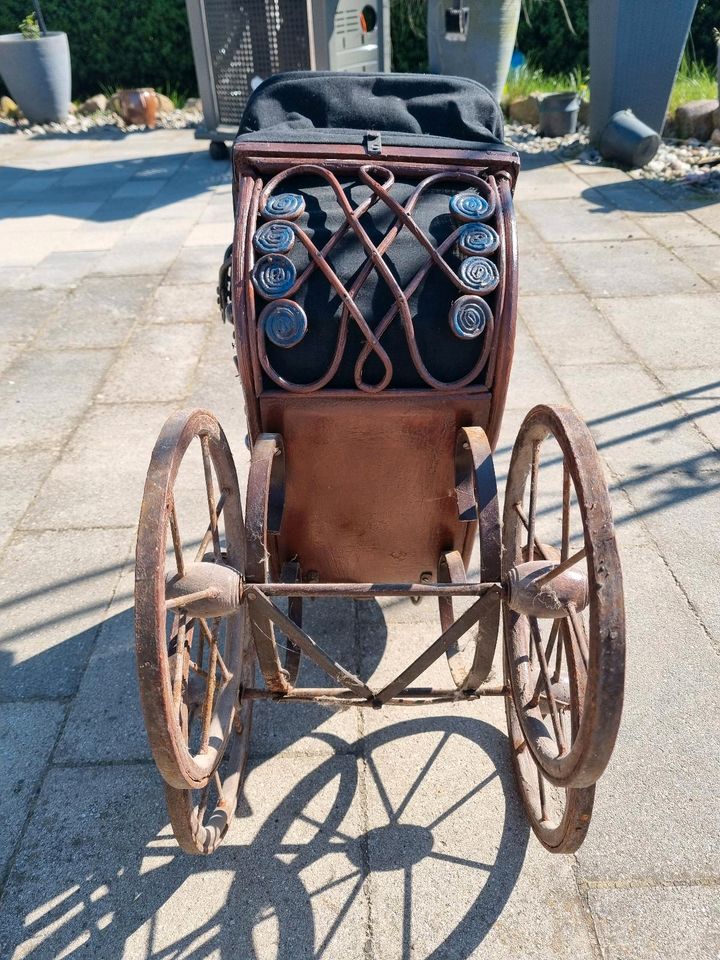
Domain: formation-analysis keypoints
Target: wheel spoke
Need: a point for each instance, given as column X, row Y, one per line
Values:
column 177, row 542
column 524, row 520
column 561, row 568
column 227, row 675
column 210, row 688
column 209, row 533
column 180, row 652
column 579, row 631
column 557, row 726
column 559, row 651
column 548, row 653
column 207, row 466
column 534, row 467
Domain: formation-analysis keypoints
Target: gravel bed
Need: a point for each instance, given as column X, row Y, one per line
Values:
column 105, row 122
column 686, row 162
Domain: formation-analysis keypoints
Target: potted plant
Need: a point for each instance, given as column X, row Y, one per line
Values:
column 35, row 66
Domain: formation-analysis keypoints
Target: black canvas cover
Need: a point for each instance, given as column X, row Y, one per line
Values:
column 407, row 109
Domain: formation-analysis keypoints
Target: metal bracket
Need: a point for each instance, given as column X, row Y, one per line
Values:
column 373, row 143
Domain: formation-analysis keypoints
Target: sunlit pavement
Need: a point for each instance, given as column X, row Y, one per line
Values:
column 359, row 835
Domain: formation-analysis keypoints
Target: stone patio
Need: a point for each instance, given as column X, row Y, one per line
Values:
column 373, row 836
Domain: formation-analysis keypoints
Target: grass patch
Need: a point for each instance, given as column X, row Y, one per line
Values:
column 695, row 81
column 525, row 80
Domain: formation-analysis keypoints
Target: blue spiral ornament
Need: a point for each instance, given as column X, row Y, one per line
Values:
column 479, row 273
column 284, row 323
column 477, row 239
column 274, row 276
column 468, row 317
column 274, row 237
column 469, row 207
column 283, row 206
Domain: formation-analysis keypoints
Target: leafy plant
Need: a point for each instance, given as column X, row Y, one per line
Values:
column 29, row 27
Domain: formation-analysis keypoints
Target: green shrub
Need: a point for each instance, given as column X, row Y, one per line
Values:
column 115, row 43
column 29, row 28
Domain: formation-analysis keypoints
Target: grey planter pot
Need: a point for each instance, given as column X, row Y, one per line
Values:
column 37, row 74
column 485, row 53
column 635, row 51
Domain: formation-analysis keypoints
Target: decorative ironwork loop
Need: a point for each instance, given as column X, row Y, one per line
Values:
column 283, row 206
column 469, row 316
column 476, row 239
column 284, row 323
column 479, row 273
column 274, row 276
column 470, row 206
column 276, row 236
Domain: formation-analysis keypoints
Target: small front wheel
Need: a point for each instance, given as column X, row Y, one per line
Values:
column 218, row 150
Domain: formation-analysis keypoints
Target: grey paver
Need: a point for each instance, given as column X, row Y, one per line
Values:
column 21, row 475
column 98, row 481
column 69, row 379
column 705, row 260
column 631, row 268
column 27, row 736
column 571, row 329
column 25, row 312
column 157, row 363
column 51, row 613
column 569, row 219
column 99, row 313
column 184, row 303
column 683, row 342
column 659, row 923
column 197, row 264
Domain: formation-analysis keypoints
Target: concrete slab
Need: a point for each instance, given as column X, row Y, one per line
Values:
column 659, row 923
column 27, row 735
column 51, row 617
column 157, row 364
column 186, row 303
column 571, row 219
column 571, row 329
column 21, row 475
column 631, row 268
column 99, row 313
column 98, row 482
column 682, row 343
column 69, row 378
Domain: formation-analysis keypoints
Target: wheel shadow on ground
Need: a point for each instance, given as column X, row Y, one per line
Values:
column 327, row 846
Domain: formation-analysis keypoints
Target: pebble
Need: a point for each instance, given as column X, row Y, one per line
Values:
column 111, row 122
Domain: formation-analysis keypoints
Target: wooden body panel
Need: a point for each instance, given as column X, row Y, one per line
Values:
column 370, row 483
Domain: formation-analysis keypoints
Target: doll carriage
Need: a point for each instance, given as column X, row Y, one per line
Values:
column 372, row 288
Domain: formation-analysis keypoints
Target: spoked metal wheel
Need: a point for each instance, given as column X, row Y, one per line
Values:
column 190, row 665
column 563, row 616
column 559, row 816
column 201, row 818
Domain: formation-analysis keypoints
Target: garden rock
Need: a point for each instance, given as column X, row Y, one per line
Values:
column 95, row 104
column 193, row 104
column 525, row 110
column 164, row 104
column 695, row 119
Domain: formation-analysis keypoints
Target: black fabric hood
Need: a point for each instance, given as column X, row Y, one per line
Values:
column 408, row 109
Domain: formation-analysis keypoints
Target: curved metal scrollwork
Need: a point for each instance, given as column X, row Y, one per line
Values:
column 470, row 317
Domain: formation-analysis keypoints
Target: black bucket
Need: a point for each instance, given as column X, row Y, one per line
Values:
column 628, row 141
column 558, row 114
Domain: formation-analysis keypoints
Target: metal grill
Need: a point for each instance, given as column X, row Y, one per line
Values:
column 253, row 38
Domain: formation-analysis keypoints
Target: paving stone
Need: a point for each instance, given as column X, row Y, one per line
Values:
column 21, row 475
column 631, row 268
column 135, row 256
column 27, row 736
column 666, row 755
column 99, row 313
column 572, row 330
column 25, row 312
column 569, row 219
column 678, row 230
column 98, row 481
column 547, row 183
column 184, row 303
column 531, row 381
column 659, row 923
column 685, row 341
column 542, row 272
column 115, row 884
column 698, row 393
column 197, row 264
column 69, row 379
column 156, row 364
column 52, row 213
column 52, row 610
column 704, row 260
column 58, row 270
column 632, row 195
column 134, row 189
column 203, row 234
column 437, row 885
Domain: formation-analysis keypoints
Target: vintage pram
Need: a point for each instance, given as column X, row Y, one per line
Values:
column 372, row 285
